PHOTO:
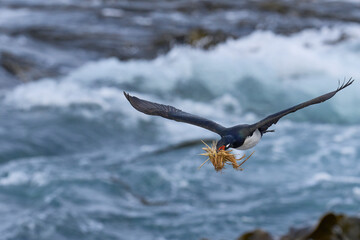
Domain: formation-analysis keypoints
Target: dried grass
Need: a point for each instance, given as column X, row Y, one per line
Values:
column 220, row 158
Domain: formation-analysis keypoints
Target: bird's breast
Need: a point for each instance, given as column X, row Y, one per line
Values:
column 251, row 141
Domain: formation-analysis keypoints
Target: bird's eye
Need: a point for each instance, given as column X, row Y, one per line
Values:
column 228, row 145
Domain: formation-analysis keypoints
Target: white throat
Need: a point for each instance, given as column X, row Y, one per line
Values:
column 251, row 141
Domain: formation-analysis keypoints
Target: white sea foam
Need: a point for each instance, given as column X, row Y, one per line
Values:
column 326, row 177
column 10, row 16
column 319, row 177
column 14, row 178
column 20, row 177
column 356, row 191
column 112, row 12
column 283, row 68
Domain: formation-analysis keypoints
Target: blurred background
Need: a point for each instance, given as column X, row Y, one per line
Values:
column 78, row 162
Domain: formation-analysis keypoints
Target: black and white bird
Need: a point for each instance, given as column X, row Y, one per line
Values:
column 243, row 136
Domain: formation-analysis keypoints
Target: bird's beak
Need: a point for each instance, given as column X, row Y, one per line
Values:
column 221, row 148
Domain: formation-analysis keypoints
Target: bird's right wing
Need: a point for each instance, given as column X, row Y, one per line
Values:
column 264, row 124
column 172, row 113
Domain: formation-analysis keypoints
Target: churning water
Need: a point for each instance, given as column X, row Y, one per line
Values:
column 78, row 162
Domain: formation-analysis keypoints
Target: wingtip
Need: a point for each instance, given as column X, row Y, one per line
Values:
column 127, row 95
column 345, row 84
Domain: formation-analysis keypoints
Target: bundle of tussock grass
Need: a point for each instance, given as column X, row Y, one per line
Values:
column 220, row 158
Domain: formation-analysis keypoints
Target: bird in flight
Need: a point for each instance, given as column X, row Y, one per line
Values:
column 243, row 136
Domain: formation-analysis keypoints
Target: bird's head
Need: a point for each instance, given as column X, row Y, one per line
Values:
column 225, row 142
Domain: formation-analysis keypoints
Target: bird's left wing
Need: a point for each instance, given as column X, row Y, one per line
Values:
column 172, row 113
column 264, row 124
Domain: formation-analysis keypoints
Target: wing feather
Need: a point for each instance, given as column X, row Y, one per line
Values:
column 172, row 113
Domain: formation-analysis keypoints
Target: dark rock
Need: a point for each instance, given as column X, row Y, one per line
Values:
column 257, row 234
column 205, row 39
column 326, row 229
column 343, row 37
column 7, row 80
column 330, row 227
column 22, row 68
column 275, row 6
column 297, row 233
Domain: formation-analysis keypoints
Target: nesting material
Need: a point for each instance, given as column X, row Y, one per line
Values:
column 220, row 158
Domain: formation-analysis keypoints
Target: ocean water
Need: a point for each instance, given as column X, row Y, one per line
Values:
column 78, row 162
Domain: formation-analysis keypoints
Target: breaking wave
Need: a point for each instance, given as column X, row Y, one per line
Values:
column 259, row 74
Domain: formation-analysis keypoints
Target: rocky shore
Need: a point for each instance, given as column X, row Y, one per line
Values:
column 330, row 227
column 49, row 38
